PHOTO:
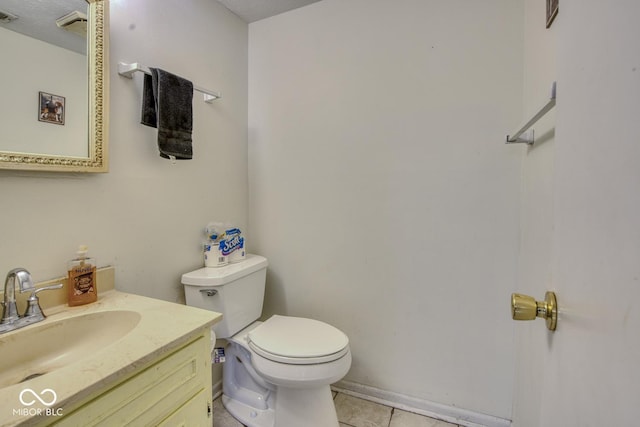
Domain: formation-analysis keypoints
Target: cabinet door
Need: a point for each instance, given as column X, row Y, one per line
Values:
column 195, row 413
column 153, row 394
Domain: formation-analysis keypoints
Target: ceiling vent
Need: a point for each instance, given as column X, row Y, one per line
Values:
column 6, row 17
column 75, row 22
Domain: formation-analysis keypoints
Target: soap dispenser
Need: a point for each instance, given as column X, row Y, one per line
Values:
column 82, row 287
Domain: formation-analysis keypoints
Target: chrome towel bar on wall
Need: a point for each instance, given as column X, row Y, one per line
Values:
column 523, row 137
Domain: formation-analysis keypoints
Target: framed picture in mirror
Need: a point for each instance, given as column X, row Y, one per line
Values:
column 51, row 108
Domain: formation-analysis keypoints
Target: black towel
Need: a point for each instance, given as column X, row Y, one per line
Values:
column 167, row 105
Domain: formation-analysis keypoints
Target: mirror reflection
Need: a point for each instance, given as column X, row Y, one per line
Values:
column 49, row 89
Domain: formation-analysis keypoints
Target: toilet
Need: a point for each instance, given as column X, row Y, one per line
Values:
column 277, row 373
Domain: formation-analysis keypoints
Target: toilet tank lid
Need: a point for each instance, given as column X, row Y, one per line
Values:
column 218, row 276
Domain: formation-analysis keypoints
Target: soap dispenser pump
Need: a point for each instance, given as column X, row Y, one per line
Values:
column 82, row 287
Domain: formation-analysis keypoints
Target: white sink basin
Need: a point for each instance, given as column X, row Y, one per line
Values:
column 48, row 346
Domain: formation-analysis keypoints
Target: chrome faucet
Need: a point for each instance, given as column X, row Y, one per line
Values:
column 10, row 310
column 10, row 318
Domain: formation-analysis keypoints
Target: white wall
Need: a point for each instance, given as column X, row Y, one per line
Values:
column 381, row 190
column 33, row 66
column 146, row 216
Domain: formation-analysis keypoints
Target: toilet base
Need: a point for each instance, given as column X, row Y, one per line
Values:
column 248, row 415
column 294, row 407
column 305, row 407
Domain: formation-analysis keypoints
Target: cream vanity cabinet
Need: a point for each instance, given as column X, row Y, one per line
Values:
column 174, row 390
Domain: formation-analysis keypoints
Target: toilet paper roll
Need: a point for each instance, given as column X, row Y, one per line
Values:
column 213, row 256
column 237, row 255
column 234, row 249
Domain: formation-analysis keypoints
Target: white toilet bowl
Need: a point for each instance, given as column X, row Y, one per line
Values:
column 277, row 372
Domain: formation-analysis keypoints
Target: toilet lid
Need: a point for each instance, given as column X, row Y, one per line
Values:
column 297, row 340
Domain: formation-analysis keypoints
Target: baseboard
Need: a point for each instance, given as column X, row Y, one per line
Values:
column 217, row 389
column 439, row 411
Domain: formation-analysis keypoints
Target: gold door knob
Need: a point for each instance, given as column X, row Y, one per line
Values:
column 524, row 307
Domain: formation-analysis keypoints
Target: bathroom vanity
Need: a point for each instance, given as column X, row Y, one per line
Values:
column 124, row 359
column 174, row 390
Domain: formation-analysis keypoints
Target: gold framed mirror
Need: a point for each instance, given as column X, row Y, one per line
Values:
column 19, row 154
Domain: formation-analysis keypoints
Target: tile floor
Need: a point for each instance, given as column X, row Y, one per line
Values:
column 352, row 412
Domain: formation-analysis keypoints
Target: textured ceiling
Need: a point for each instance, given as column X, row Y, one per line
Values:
column 254, row 10
column 38, row 20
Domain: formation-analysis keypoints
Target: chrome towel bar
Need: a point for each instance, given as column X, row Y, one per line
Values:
column 527, row 138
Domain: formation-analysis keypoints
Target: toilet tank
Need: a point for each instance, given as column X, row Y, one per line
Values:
column 235, row 290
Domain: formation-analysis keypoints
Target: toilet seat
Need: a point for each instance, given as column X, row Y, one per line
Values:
column 298, row 341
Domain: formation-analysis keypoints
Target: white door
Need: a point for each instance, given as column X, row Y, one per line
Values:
column 587, row 373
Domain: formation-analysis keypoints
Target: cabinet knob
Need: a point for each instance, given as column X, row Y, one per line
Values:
column 524, row 307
